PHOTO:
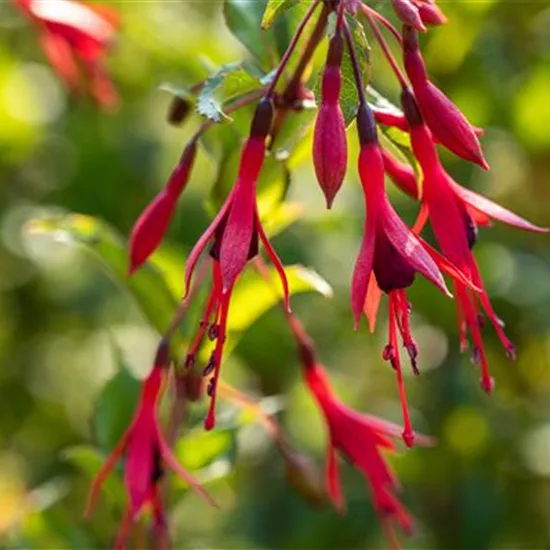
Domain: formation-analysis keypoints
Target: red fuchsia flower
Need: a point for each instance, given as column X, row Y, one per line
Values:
column 455, row 213
column 234, row 235
column 388, row 260
column 145, row 453
column 330, row 153
column 76, row 38
column 151, row 226
column 359, row 438
column 445, row 120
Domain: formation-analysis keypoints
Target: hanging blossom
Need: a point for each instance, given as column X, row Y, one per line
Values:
column 359, row 438
column 145, row 453
column 76, row 38
column 454, row 214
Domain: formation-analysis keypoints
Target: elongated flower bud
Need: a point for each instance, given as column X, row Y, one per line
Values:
column 330, row 152
column 431, row 14
column 409, row 14
column 151, row 226
column 449, row 126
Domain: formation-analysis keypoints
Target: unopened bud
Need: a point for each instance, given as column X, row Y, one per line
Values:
column 431, row 14
column 409, row 14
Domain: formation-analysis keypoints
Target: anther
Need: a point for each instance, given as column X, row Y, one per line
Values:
column 211, row 388
column 210, row 366
column 190, row 360
column 213, row 331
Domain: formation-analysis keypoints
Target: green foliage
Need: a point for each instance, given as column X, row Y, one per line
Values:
column 228, row 83
column 274, row 9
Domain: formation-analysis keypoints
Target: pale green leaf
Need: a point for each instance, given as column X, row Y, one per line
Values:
column 274, row 9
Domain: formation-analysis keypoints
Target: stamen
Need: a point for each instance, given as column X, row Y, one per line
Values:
column 210, row 419
column 190, row 361
column 408, row 432
column 403, row 309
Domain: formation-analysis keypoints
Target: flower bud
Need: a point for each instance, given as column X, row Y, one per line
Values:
column 431, row 14
column 409, row 14
column 151, row 226
column 330, row 152
column 447, row 123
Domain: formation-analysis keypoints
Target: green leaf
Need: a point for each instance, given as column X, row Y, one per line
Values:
column 89, row 461
column 198, row 448
column 255, row 296
column 148, row 285
column 349, row 98
column 115, row 407
column 243, row 18
column 229, row 82
column 274, row 9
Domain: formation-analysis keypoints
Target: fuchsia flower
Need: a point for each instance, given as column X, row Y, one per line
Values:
column 330, row 153
column 454, row 213
column 76, row 38
column 151, row 226
column 388, row 260
column 448, row 124
column 360, row 438
column 234, row 234
column 145, row 453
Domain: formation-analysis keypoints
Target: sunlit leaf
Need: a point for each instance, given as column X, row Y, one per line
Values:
column 229, row 82
column 198, row 448
column 256, row 296
column 274, row 9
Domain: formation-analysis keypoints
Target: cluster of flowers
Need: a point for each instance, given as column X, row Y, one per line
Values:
column 390, row 256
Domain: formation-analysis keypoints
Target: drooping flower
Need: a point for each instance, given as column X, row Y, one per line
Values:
column 330, row 152
column 76, row 38
column 145, row 454
column 454, row 213
column 151, row 226
column 234, row 235
column 361, row 439
column 388, row 260
column 445, row 120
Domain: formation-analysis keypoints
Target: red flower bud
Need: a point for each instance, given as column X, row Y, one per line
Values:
column 449, row 126
column 151, row 226
column 409, row 14
column 330, row 152
column 431, row 14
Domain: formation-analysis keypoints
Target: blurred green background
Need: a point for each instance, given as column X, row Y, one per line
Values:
column 487, row 482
